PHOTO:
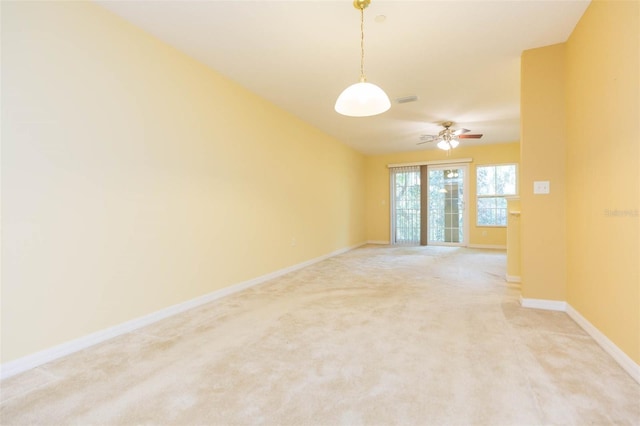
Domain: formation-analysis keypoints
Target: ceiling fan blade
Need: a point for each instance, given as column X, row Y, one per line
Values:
column 469, row 136
column 427, row 139
column 461, row 131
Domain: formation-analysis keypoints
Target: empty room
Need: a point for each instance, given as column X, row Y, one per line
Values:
column 320, row 212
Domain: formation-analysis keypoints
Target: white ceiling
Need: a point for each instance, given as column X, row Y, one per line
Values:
column 461, row 58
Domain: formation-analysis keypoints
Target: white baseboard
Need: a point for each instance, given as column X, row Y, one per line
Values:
column 512, row 278
column 381, row 242
column 28, row 362
column 629, row 365
column 547, row 305
column 609, row 347
column 487, row 246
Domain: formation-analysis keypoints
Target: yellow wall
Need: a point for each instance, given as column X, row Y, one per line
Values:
column 603, row 159
column 135, row 178
column 377, row 187
column 580, row 130
column 543, row 156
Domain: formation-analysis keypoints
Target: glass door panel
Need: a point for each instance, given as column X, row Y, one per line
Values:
column 446, row 201
column 405, row 207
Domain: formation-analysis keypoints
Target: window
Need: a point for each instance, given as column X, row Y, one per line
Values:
column 493, row 184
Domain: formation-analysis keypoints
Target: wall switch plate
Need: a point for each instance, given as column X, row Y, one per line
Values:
column 541, row 187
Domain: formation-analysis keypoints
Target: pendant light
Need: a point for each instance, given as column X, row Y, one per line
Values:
column 362, row 99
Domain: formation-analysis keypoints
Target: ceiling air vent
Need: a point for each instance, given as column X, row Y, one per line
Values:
column 407, row 99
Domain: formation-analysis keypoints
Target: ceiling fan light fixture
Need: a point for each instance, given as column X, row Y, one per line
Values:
column 447, row 138
column 362, row 99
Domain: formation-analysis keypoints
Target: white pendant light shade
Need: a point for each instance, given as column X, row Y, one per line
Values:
column 454, row 143
column 443, row 145
column 362, row 100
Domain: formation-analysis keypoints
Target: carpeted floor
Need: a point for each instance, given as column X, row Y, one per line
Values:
column 377, row 336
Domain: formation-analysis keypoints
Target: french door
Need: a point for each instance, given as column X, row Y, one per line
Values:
column 428, row 205
column 405, row 205
column 447, row 199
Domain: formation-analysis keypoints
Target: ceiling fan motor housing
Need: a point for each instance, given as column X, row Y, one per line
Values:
column 447, row 135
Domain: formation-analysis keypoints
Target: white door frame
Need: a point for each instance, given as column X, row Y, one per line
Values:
column 465, row 201
column 392, row 206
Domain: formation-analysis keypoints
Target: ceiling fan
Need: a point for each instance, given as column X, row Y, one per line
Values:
column 448, row 138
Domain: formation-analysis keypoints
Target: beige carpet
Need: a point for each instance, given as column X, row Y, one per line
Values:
column 377, row 336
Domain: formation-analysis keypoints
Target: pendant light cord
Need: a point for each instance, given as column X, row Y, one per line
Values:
column 362, row 77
